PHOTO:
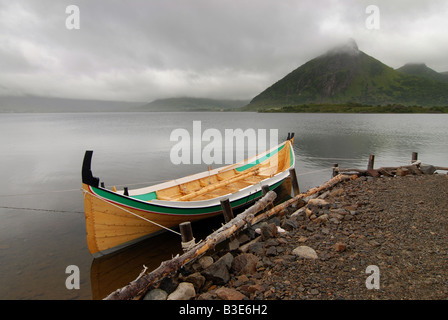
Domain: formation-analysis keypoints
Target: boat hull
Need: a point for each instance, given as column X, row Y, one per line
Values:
column 112, row 223
column 118, row 218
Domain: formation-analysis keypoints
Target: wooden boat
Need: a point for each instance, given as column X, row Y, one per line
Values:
column 118, row 218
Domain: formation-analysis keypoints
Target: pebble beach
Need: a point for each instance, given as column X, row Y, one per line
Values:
column 366, row 239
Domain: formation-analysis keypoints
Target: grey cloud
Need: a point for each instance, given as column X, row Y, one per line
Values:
column 148, row 49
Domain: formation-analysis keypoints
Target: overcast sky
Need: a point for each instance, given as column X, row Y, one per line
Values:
column 141, row 50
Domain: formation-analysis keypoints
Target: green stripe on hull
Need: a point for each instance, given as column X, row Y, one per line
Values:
column 129, row 202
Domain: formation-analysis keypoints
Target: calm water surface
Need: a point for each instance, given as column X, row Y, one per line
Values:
column 40, row 165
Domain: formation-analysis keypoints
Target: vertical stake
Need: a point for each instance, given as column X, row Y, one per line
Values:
column 226, row 210
column 371, row 162
column 187, row 234
column 414, row 157
column 266, row 189
column 294, row 182
column 335, row 169
column 126, row 191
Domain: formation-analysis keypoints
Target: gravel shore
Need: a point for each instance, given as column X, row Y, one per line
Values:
column 395, row 226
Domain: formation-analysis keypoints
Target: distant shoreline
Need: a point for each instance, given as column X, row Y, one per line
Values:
column 354, row 108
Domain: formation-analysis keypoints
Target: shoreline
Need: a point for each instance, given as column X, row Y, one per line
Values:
column 322, row 248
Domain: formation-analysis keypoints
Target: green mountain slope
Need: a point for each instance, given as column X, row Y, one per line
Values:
column 421, row 70
column 346, row 74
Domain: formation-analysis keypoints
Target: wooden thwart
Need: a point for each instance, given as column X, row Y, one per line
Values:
column 218, row 185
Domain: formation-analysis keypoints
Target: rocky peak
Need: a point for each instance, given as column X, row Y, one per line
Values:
column 350, row 47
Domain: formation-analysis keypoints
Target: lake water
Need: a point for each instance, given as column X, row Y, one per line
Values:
column 40, row 165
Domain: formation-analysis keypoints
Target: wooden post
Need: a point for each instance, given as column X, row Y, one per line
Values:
column 227, row 210
column 335, row 170
column 414, row 157
column 371, row 162
column 294, row 182
column 102, row 185
column 265, row 189
column 126, row 191
column 187, row 235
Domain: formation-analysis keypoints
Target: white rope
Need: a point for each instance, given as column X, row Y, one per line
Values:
column 134, row 214
column 186, row 246
column 37, row 193
column 311, row 172
column 322, row 158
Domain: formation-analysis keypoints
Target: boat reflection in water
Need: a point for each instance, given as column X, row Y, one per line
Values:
column 115, row 270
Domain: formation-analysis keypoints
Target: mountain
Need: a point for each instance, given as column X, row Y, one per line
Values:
column 31, row 104
column 345, row 74
column 421, row 70
column 192, row 104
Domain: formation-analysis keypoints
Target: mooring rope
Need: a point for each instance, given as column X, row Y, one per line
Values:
column 38, row 209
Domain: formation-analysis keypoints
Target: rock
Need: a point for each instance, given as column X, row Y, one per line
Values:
column 318, row 202
column 271, row 251
column 402, row 172
column 246, row 247
column 184, row 291
column 228, row 258
column 229, row 294
column 156, row 294
column 205, row 262
column 218, row 272
column 196, row 279
column 373, row 173
column 255, row 288
column 207, row 296
column 169, row 284
column 427, row 169
column 337, row 192
column 268, row 230
column 240, row 280
column 257, row 248
column 305, row 252
column 314, row 292
column 243, row 238
column 339, row 211
column 271, row 242
column 308, row 212
column 289, row 224
column 340, row 247
column 335, row 220
column 234, row 245
column 322, row 218
column 245, row 263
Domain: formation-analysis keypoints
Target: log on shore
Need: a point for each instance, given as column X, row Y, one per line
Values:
column 138, row 287
column 414, row 169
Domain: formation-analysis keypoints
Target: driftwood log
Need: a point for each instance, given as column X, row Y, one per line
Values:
column 416, row 168
column 139, row 286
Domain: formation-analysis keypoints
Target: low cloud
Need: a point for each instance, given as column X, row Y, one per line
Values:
column 143, row 50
